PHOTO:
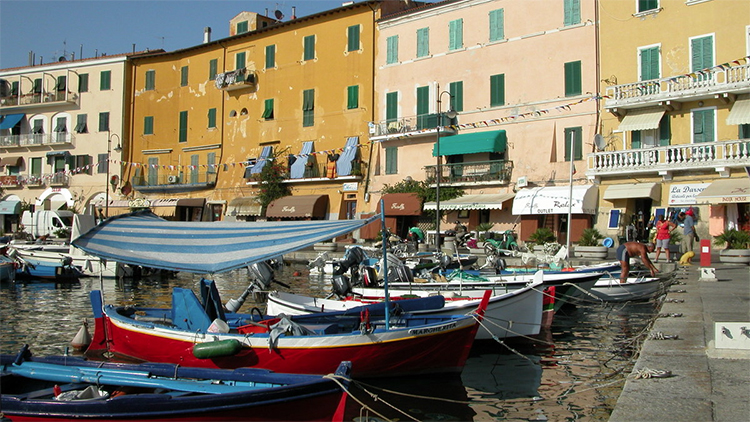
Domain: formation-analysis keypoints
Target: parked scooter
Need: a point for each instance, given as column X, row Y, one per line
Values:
column 505, row 245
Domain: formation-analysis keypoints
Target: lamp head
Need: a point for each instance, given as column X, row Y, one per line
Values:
column 118, row 148
column 451, row 113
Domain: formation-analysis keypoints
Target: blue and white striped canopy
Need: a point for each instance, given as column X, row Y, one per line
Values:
column 142, row 238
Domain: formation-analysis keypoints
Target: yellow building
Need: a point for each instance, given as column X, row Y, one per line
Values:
column 206, row 119
column 676, row 123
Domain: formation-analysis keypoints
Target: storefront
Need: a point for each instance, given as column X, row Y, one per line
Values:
column 634, row 204
column 402, row 211
column 244, row 208
column 303, row 207
column 549, row 207
column 729, row 201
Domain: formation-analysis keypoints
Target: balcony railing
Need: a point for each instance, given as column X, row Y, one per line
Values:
column 167, row 181
column 39, row 98
column 700, row 85
column 475, row 173
column 56, row 179
column 235, row 79
column 318, row 171
column 36, row 139
column 709, row 155
column 411, row 125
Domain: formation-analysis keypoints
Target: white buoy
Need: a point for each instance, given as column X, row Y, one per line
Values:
column 82, row 339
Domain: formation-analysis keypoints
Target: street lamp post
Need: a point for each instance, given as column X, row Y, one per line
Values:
column 438, row 170
column 118, row 148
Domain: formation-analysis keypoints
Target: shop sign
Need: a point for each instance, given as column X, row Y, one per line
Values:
column 684, row 194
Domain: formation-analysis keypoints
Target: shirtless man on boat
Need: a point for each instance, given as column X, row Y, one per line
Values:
column 634, row 249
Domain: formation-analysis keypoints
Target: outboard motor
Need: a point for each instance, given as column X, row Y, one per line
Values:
column 261, row 274
column 341, row 285
column 444, row 261
column 352, row 257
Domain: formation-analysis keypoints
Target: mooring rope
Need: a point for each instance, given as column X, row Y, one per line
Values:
column 335, row 379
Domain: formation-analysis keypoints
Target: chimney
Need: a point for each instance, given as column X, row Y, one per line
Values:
column 294, row 12
column 206, row 35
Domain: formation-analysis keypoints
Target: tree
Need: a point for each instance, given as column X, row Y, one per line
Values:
column 271, row 180
column 424, row 192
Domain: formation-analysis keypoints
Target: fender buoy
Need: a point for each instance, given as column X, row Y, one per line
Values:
column 216, row 349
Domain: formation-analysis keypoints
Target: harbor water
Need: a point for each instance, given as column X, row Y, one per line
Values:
column 573, row 371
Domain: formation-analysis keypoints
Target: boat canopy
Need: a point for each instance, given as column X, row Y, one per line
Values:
column 142, row 238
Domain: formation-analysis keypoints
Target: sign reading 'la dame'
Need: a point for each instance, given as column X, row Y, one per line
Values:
column 684, row 194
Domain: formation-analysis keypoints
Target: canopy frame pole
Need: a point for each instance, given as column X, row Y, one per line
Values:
column 385, row 264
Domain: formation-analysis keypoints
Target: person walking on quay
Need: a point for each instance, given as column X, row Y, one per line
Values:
column 634, row 249
column 664, row 229
column 688, row 230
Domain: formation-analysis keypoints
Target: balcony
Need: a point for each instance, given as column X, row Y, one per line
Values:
column 184, row 182
column 665, row 160
column 36, row 139
column 496, row 172
column 425, row 124
column 32, row 100
column 317, row 172
column 236, row 79
column 712, row 83
column 56, row 179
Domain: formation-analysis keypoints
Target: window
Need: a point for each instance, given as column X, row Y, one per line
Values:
column 194, row 168
column 270, row 56
column 702, row 56
column 14, row 87
column 211, row 161
column 83, row 164
column 744, row 131
column 423, row 42
column 104, row 121
column 650, row 65
column 572, row 12
column 651, row 138
column 423, row 106
column 309, row 45
column 242, row 27
column 148, row 125
column 61, row 84
column 308, row 107
column 83, row 82
column 497, row 90
column 81, row 126
column 184, row 76
column 239, row 60
column 102, row 163
column 268, row 109
column 577, row 133
column 572, row 78
column 36, row 166
column 457, row 95
column 456, row 34
column 211, row 118
column 38, row 127
column 61, row 125
column 37, row 89
column 646, row 5
column 150, row 80
column 391, row 160
column 153, row 171
column 391, row 106
column 105, row 80
column 391, row 50
column 704, row 125
column 182, row 137
column 213, row 66
column 497, row 25
column 353, row 38
column 614, row 219
column 352, row 97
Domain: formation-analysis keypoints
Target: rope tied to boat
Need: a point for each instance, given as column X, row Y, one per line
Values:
column 336, row 379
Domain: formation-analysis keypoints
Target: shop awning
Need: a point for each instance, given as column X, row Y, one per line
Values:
column 472, row 143
column 641, row 119
column 191, row 202
column 726, row 191
column 633, row 190
column 555, row 200
column 473, row 202
column 740, row 112
column 243, row 206
column 10, row 120
column 303, row 206
column 11, row 161
column 401, row 204
column 10, row 207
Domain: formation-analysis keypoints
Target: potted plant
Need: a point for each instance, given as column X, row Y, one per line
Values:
column 737, row 246
column 675, row 238
column 482, row 230
column 540, row 237
column 589, row 245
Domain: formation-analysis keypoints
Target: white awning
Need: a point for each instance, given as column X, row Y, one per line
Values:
column 472, row 202
column 740, row 112
column 641, row 119
column 726, row 191
column 247, row 205
column 555, row 200
column 633, row 190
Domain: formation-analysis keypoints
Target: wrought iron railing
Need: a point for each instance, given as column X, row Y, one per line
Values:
column 174, row 180
column 481, row 172
column 411, row 124
column 36, row 139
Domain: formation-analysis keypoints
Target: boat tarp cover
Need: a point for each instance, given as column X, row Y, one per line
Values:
column 142, row 238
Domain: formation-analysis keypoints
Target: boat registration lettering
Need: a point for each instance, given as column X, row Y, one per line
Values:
column 439, row 328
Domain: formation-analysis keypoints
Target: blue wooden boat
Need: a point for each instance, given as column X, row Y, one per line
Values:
column 38, row 269
column 68, row 388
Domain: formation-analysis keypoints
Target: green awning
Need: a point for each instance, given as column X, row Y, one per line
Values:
column 472, row 143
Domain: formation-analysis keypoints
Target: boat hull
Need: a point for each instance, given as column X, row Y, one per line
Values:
column 610, row 289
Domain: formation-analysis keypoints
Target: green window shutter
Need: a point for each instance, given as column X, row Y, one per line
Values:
column 457, row 95
column 148, row 125
column 105, row 80
column 270, row 56
column 153, row 171
column 61, row 83
column 352, row 97
column 104, row 121
column 194, row 168
column 650, row 64
column 81, row 124
column 646, row 5
column 578, row 145
column 213, row 66
column 572, row 12
column 268, row 109
column 497, row 90
column 703, row 126
column 83, row 82
column 391, row 105
column 211, row 161
column 497, row 25
column 308, row 108
column 391, row 160
column 36, row 166
column 182, row 137
column 184, row 76
column 392, row 50
column 456, row 34
column 635, row 139
column 702, row 53
column 242, row 27
column 150, row 80
column 744, row 131
column 423, row 100
column 309, row 44
column 665, row 131
column 423, row 42
column 572, row 78
column 14, row 86
column 239, row 60
column 211, row 118
column 353, row 38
